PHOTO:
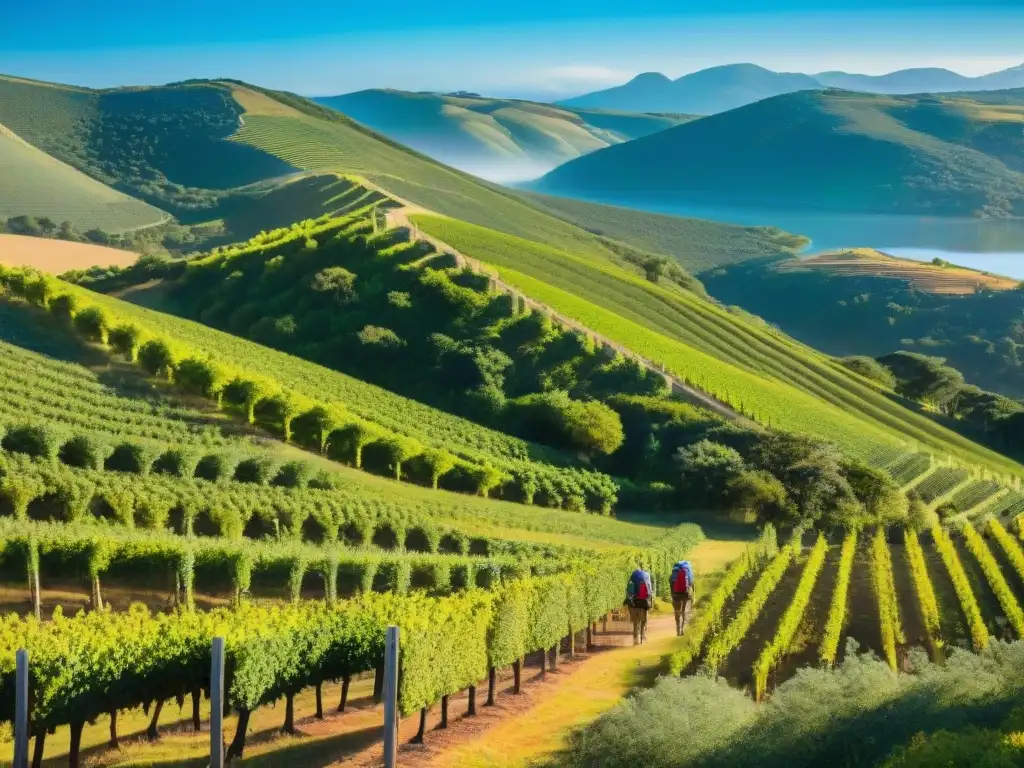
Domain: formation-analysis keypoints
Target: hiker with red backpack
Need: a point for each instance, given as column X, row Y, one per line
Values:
column 639, row 597
column 681, row 584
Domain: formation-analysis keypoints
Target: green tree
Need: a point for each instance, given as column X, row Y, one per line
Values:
column 336, row 282
column 319, row 422
column 437, row 462
column 400, row 449
column 284, row 407
column 760, row 494
column 92, row 323
column 357, row 436
column 156, row 358
column 125, row 339
column 200, row 376
column 246, row 392
column 706, row 468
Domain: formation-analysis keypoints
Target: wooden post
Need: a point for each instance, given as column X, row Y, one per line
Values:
column 21, row 710
column 517, row 675
column 492, row 679
column 554, row 657
column 471, row 709
column 217, row 704
column 391, row 649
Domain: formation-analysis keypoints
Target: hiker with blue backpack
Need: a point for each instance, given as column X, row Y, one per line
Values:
column 681, row 584
column 639, row 594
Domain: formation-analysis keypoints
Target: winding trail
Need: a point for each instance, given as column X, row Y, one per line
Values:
column 398, row 218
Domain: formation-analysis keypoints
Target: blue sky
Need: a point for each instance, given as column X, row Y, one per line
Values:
column 528, row 48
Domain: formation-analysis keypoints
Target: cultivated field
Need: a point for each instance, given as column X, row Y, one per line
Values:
column 921, row 276
column 758, row 371
column 35, row 184
column 775, row 611
column 59, row 256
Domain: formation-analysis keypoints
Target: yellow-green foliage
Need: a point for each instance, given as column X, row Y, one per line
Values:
column 709, row 616
column 837, row 610
column 725, row 641
column 780, row 380
column 1011, row 547
column 884, row 586
column 775, row 650
column 923, row 587
column 996, row 580
column 962, row 587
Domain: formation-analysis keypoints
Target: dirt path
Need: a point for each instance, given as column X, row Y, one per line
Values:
column 398, row 218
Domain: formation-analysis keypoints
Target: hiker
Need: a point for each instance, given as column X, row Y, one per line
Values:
column 639, row 594
column 681, row 584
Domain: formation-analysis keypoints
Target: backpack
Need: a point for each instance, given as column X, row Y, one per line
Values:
column 641, row 591
column 680, row 582
column 682, row 578
column 637, row 588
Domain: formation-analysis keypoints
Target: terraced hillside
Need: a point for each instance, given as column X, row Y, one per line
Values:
column 497, row 139
column 35, row 184
column 757, row 370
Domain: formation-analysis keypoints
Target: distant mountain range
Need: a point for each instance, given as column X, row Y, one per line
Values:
column 497, row 139
column 830, row 150
column 720, row 89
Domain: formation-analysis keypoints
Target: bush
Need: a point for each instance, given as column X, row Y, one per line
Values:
column 294, row 474
column 199, row 376
column 870, row 368
column 132, row 457
column 256, row 469
column 125, row 340
column 555, row 418
column 216, row 466
column 398, row 449
column 178, row 462
column 84, row 451
column 64, row 307
column 92, row 323
column 37, row 440
column 156, row 358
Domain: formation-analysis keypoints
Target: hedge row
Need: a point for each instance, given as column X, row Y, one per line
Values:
column 327, row 427
column 102, row 662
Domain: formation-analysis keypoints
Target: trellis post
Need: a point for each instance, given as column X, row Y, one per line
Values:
column 21, row 710
column 217, row 703
column 391, row 650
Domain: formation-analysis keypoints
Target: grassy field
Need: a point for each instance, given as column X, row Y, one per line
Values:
column 921, row 276
column 698, row 245
column 36, row 184
column 773, row 378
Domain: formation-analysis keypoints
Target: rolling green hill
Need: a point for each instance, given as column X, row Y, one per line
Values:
column 498, row 139
column 827, row 150
column 34, row 184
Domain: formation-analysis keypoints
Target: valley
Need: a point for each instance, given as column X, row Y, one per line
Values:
column 279, row 373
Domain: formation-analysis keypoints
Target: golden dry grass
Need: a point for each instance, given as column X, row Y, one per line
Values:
column 57, row 256
column 256, row 103
column 921, row 275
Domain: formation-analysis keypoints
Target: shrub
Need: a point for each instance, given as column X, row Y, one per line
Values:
column 398, row 450
column 92, row 323
column 156, row 358
column 125, row 340
column 436, row 462
column 247, row 392
column 199, row 376
column 216, row 466
column 353, row 438
column 85, row 451
column 132, row 457
column 294, row 474
column 256, row 469
column 37, row 440
column 64, row 307
column 178, row 462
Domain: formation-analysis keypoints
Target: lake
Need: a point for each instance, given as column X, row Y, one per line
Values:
column 991, row 245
